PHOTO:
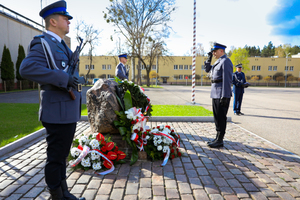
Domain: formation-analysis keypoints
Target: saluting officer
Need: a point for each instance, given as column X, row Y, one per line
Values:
column 238, row 81
column 58, row 112
column 221, row 78
column 121, row 71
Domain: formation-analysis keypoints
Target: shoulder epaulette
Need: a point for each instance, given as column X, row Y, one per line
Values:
column 39, row 36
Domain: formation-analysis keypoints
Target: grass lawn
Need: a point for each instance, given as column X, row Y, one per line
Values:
column 20, row 119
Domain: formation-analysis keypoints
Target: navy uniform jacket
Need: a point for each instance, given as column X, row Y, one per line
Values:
column 56, row 106
column 221, row 70
column 121, row 71
column 238, row 84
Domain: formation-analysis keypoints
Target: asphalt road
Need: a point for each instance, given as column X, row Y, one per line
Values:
column 272, row 113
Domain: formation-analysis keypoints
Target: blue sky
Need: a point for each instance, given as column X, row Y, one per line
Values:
column 235, row 23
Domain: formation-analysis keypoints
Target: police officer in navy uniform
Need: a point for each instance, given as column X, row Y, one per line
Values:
column 238, row 81
column 58, row 112
column 221, row 78
column 121, row 71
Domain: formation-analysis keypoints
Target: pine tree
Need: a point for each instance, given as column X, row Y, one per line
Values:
column 21, row 56
column 7, row 66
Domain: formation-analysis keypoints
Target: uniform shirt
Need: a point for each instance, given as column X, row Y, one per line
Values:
column 238, row 79
column 121, row 71
column 220, row 70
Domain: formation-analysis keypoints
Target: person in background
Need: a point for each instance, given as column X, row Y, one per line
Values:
column 59, row 113
column 221, row 79
column 121, row 71
column 238, row 81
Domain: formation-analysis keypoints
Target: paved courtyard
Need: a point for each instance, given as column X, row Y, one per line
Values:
column 248, row 167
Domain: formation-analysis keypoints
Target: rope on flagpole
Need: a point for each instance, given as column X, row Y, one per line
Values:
column 194, row 56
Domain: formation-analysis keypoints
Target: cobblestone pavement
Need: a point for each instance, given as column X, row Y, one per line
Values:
column 248, row 167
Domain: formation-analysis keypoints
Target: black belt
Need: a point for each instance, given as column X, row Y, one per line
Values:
column 217, row 81
column 50, row 87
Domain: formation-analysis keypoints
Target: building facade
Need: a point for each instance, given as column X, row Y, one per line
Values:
column 178, row 69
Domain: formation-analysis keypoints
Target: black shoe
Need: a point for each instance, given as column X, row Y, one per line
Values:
column 67, row 195
column 216, row 144
column 211, row 141
column 240, row 113
column 236, row 113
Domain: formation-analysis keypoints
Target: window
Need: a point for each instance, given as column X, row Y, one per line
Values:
column 258, row 68
column 274, row 68
column 270, row 68
column 286, row 68
column 175, row 67
column 291, row 68
column 103, row 67
column 180, row 67
column 143, row 67
column 203, row 67
column 109, row 76
column 108, row 67
column 190, row 77
column 186, row 67
column 87, row 67
column 191, row 67
column 180, row 77
column 253, row 68
column 153, row 67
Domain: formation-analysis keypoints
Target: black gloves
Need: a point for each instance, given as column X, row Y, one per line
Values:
column 73, row 82
column 224, row 101
column 209, row 57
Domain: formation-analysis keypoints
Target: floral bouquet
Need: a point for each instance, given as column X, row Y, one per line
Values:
column 95, row 152
column 160, row 143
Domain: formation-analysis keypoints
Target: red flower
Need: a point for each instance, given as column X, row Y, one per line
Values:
column 103, row 149
column 158, row 127
column 107, row 164
column 172, row 150
column 80, row 147
column 133, row 122
column 141, row 129
column 99, row 137
column 136, row 131
column 116, row 149
column 172, row 156
column 179, row 154
column 103, row 142
column 111, row 155
column 109, row 146
column 167, row 126
column 121, row 155
column 173, row 144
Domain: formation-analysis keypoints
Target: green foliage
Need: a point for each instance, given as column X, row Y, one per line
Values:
column 21, row 56
column 268, row 51
column 253, row 51
column 7, row 66
column 180, row 110
column 238, row 56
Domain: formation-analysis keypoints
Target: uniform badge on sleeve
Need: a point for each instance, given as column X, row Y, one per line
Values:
column 63, row 64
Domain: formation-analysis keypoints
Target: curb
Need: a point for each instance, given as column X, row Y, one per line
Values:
column 174, row 119
column 22, row 141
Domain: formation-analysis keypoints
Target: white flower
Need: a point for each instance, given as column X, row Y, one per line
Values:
column 154, row 130
column 159, row 147
column 147, row 137
column 131, row 113
column 165, row 149
column 86, row 162
column 75, row 152
column 97, row 166
column 94, row 143
column 94, row 156
column 155, row 143
column 83, row 139
column 95, row 135
column 159, row 141
column 166, row 131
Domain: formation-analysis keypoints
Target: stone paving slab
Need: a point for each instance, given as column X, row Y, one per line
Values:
column 248, row 167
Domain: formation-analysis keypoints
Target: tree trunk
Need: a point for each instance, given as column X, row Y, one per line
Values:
column 139, row 81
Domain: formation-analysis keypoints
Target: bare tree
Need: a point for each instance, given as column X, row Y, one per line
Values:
column 139, row 20
column 90, row 37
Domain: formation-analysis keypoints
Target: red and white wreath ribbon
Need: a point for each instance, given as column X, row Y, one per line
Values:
column 84, row 153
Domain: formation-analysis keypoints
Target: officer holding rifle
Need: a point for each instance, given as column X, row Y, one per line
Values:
column 49, row 64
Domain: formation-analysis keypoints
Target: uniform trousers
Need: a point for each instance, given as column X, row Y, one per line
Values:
column 220, row 117
column 59, row 139
column 237, row 101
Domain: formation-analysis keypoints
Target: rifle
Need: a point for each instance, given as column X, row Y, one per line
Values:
column 73, row 68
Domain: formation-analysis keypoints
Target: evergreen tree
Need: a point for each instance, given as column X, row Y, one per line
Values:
column 7, row 66
column 21, row 56
column 268, row 51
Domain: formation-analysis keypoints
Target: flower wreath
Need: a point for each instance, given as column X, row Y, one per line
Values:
column 161, row 142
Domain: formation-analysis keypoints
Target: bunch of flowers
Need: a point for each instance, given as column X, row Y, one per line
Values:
column 95, row 152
